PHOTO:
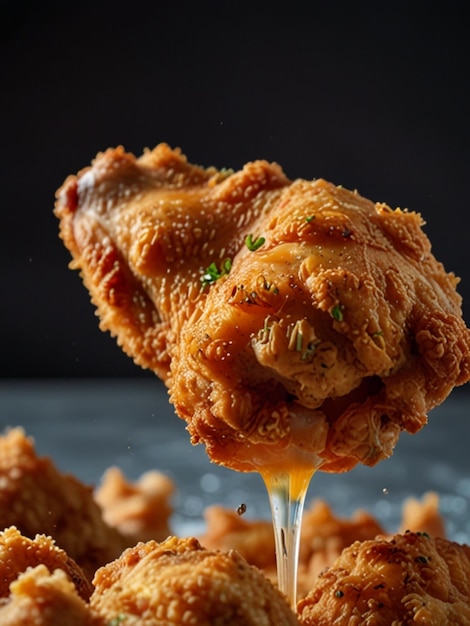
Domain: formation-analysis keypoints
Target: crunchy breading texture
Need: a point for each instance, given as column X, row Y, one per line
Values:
column 139, row 510
column 19, row 553
column 323, row 534
column 179, row 582
column 423, row 515
column 323, row 537
column 37, row 498
column 252, row 538
column 41, row 598
column 280, row 314
column 408, row 579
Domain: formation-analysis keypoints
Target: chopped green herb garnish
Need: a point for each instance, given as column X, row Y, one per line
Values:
column 310, row 218
column 227, row 266
column 254, row 245
column 263, row 334
column 307, row 354
column 213, row 273
column 337, row 313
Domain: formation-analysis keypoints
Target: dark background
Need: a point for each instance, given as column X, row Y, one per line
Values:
column 373, row 96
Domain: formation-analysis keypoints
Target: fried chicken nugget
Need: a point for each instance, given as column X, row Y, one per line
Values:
column 140, row 510
column 41, row 598
column 253, row 539
column 281, row 314
column 324, row 535
column 408, row 579
column 37, row 498
column 19, row 553
column 179, row 582
column 423, row 515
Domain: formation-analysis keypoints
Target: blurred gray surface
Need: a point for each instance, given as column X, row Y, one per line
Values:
column 86, row 426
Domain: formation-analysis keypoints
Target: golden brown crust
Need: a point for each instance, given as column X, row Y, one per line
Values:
column 43, row 598
column 408, row 579
column 253, row 539
column 423, row 515
column 41, row 584
column 340, row 331
column 139, row 510
column 179, row 582
column 323, row 534
column 36, row 498
column 18, row 553
column 128, row 224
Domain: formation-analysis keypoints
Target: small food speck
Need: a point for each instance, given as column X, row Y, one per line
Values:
column 241, row 509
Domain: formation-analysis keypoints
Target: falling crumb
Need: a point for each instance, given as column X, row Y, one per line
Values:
column 241, row 509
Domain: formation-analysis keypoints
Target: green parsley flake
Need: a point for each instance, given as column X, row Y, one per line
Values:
column 213, row 273
column 254, row 245
column 337, row 313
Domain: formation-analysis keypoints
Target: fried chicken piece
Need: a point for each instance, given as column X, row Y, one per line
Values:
column 140, row 510
column 324, row 535
column 19, row 553
column 282, row 315
column 38, row 499
column 253, row 539
column 179, row 582
column 41, row 598
column 408, row 579
column 423, row 515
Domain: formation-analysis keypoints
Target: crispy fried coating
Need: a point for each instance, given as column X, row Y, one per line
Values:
column 19, row 553
column 252, row 538
column 281, row 314
column 423, row 515
column 179, row 582
column 41, row 598
column 407, row 579
column 38, row 499
column 324, row 535
column 139, row 510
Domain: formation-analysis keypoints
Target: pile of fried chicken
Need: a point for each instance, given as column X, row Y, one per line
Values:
column 281, row 314
column 104, row 557
column 288, row 319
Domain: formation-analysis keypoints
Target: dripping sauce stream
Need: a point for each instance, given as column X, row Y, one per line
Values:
column 287, row 484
